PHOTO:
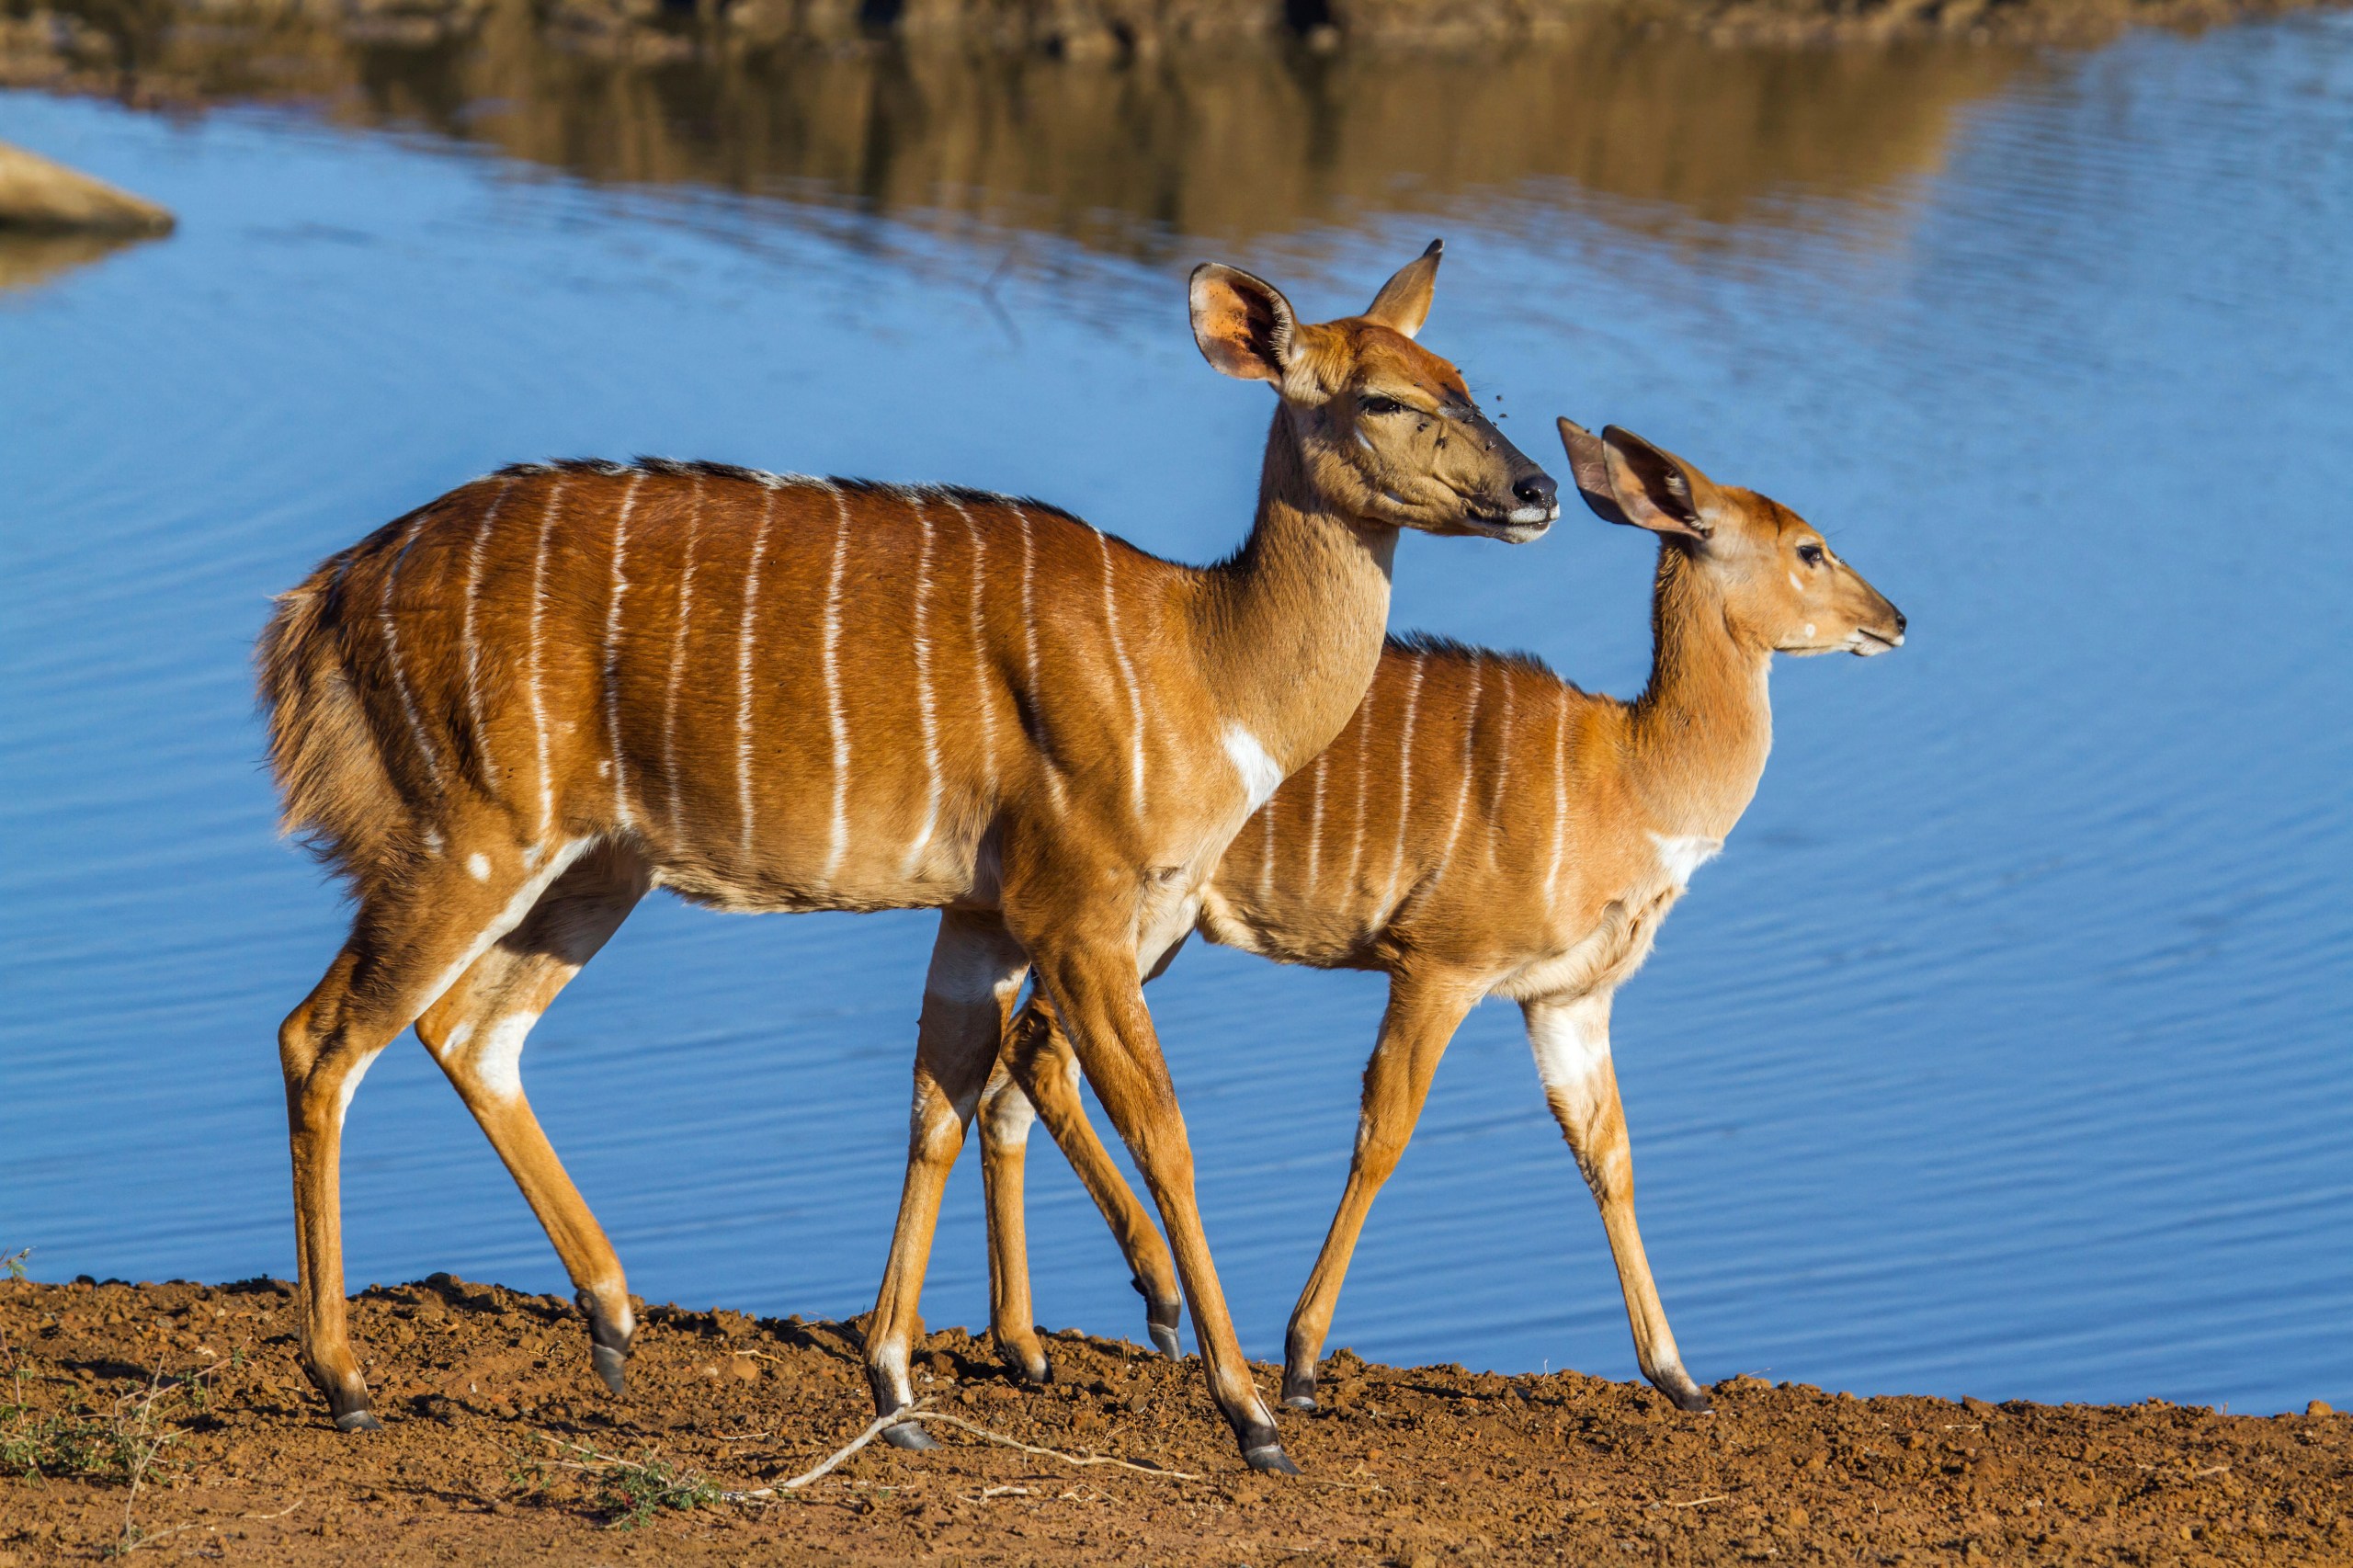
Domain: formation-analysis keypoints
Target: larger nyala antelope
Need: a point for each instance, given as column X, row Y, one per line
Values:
column 507, row 715
column 1483, row 828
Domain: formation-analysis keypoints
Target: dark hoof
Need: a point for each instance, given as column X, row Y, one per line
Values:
column 1040, row 1374
column 357, row 1421
column 908, row 1436
column 1299, row 1393
column 1298, row 1401
column 1160, row 1321
column 1687, row 1395
column 613, row 1366
column 1269, row 1457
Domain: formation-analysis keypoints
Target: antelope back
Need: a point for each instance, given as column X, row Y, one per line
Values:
column 788, row 692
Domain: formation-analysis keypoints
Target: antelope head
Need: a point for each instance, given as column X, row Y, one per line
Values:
column 1784, row 590
column 1386, row 431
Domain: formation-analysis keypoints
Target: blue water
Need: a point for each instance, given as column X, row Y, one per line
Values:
column 2004, row 1051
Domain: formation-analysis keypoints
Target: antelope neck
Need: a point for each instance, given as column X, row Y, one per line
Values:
column 1699, row 733
column 1293, row 620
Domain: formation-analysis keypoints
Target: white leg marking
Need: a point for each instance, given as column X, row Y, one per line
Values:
column 351, row 1084
column 1135, row 697
column 1680, row 855
column 929, row 721
column 392, row 651
column 1010, row 1117
column 497, row 1063
column 964, row 971
column 1029, row 636
column 744, row 680
column 1560, row 797
column 837, row 725
column 1404, row 785
column 1469, row 735
column 679, row 669
column 621, row 817
column 455, row 1042
column 473, row 649
column 478, row 865
column 538, row 706
column 507, row 918
column 980, row 648
column 1570, row 1039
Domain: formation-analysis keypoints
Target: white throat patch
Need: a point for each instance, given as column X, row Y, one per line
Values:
column 1680, row 855
column 1261, row 774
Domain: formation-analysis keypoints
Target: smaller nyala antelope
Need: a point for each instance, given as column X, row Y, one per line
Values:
column 1483, row 828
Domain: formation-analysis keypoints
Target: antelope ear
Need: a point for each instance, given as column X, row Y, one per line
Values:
column 1403, row 302
column 1244, row 324
column 1654, row 488
column 1589, row 466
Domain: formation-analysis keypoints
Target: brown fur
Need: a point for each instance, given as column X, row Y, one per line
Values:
column 507, row 715
column 1485, row 828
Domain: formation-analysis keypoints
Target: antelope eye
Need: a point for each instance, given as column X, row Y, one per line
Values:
column 1380, row 405
column 1810, row 555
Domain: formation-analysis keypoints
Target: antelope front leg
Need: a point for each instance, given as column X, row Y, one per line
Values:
column 1046, row 1074
column 1421, row 1020
column 1572, row 1043
column 1096, row 990
column 976, row 968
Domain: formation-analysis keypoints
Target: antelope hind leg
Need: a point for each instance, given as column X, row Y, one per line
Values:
column 476, row 1033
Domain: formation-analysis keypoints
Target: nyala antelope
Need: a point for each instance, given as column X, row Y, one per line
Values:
column 1483, row 828
column 507, row 716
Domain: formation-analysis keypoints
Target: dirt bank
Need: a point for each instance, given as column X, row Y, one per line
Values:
column 490, row 1409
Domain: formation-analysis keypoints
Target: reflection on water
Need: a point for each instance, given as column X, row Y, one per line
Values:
column 1224, row 145
column 27, row 259
column 2002, row 1052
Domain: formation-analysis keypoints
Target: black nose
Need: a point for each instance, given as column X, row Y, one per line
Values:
column 1899, row 623
column 1535, row 489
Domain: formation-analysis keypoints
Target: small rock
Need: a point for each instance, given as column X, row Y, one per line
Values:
column 744, row 1370
column 1797, row 1519
column 2320, row 1407
column 1977, row 1407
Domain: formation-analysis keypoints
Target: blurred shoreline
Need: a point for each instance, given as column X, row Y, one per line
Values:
column 129, row 48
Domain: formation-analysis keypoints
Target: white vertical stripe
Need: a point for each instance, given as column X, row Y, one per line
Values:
column 1364, row 771
column 924, row 713
column 678, row 670
column 837, row 724
column 1315, row 826
column 539, row 705
column 1030, row 642
column 1128, row 678
column 621, row 817
column 474, row 651
column 1470, row 732
column 392, row 651
column 1266, row 854
column 980, row 649
column 744, row 678
column 1495, row 809
column 1404, row 787
column 1560, row 796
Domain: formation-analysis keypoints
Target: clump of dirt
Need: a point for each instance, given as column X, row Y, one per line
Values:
column 174, row 1416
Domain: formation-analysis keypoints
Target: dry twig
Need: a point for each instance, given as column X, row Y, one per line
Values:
column 882, row 1423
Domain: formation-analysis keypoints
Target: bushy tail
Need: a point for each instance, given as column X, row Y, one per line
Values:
column 337, row 793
